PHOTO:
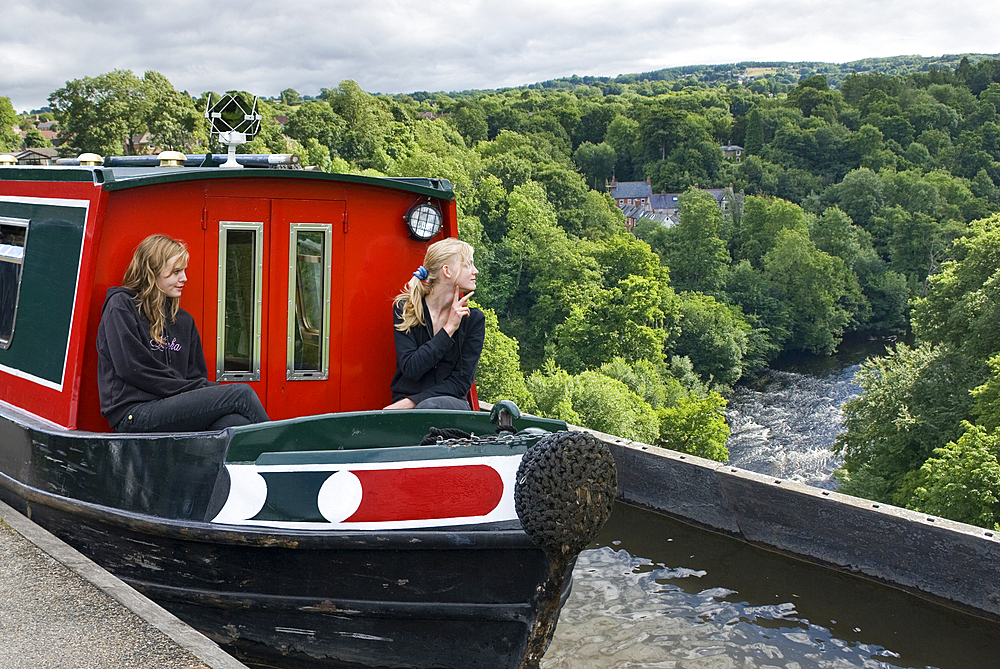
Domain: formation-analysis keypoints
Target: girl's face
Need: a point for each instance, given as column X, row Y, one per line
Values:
column 466, row 277
column 172, row 277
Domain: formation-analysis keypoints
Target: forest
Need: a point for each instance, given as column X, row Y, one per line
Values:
column 864, row 208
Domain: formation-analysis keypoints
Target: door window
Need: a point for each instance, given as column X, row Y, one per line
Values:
column 240, row 287
column 309, row 300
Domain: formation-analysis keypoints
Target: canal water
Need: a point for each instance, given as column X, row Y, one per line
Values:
column 654, row 592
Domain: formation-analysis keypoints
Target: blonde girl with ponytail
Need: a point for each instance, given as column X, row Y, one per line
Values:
column 438, row 336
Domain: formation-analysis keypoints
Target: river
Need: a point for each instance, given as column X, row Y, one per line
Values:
column 784, row 423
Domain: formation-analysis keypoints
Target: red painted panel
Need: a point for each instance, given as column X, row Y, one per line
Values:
column 376, row 258
column 427, row 493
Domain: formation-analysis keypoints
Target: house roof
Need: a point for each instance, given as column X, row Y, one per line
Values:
column 631, row 189
column 636, row 212
column 732, row 147
column 664, row 200
column 43, row 151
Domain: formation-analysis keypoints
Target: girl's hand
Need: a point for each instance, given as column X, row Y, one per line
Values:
column 405, row 403
column 459, row 310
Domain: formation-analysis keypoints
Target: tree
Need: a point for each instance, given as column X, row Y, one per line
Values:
column 912, row 403
column 714, row 337
column 696, row 425
column 596, row 162
column 102, row 114
column 762, row 220
column 962, row 480
column 34, row 138
column 962, row 304
column 623, row 136
column 107, row 113
column 316, row 119
column 499, row 376
column 470, row 120
column 692, row 249
column 172, row 121
column 9, row 140
column 607, row 405
column 755, row 133
column 812, row 284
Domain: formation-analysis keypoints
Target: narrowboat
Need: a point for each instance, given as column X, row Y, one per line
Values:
column 329, row 536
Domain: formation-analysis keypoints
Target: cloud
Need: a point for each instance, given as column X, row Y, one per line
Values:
column 392, row 46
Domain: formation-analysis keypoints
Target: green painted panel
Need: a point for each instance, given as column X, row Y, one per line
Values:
column 363, row 429
column 48, row 286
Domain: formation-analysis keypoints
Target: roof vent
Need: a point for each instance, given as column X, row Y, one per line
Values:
column 7, row 159
column 91, row 160
column 172, row 159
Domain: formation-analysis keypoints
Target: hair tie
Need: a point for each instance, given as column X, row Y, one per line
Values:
column 421, row 273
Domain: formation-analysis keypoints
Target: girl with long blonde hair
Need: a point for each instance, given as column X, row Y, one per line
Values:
column 438, row 336
column 151, row 367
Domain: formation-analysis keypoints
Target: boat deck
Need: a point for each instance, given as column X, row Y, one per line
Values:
column 60, row 609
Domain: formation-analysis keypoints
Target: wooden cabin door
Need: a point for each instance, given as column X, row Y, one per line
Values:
column 305, row 310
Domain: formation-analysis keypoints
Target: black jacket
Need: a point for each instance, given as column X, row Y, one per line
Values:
column 132, row 368
column 432, row 365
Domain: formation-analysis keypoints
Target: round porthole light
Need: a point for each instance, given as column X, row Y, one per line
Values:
column 424, row 221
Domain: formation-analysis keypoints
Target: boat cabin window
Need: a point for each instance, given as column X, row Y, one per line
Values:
column 241, row 258
column 13, row 238
column 309, row 301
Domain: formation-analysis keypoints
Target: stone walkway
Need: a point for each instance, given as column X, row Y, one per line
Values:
column 59, row 610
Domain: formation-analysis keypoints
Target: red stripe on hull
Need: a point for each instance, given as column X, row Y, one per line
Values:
column 427, row 493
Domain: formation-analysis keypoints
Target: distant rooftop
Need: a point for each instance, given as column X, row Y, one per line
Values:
column 631, row 189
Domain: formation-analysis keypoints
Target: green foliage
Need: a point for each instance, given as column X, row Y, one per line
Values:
column 696, row 425
column 636, row 401
column 961, row 307
column 817, row 288
column 962, row 480
column 105, row 114
column 607, row 405
column 754, row 142
column 692, row 249
column 758, row 228
column 909, row 406
column 499, row 375
column 9, row 140
column 714, row 336
column 596, row 162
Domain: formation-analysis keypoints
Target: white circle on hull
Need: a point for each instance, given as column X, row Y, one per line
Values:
column 339, row 496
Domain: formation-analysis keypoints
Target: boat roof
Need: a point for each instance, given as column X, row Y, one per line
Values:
column 120, row 178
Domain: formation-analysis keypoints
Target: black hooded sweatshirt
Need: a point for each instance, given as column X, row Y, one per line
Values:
column 132, row 368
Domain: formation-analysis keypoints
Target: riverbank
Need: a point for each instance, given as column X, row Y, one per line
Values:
column 59, row 609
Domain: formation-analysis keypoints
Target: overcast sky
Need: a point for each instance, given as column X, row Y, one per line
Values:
column 447, row 45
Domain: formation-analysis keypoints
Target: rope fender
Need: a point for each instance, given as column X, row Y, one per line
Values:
column 563, row 494
column 564, row 491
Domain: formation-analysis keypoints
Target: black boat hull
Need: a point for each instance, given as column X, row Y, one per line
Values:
column 391, row 599
column 459, row 596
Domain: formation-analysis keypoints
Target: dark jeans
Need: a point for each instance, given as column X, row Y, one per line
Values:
column 205, row 409
column 444, row 402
